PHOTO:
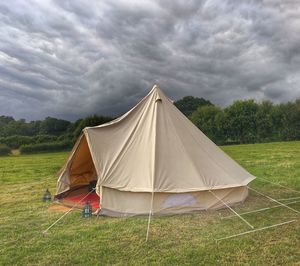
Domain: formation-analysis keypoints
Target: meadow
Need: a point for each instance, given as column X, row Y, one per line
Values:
column 183, row 239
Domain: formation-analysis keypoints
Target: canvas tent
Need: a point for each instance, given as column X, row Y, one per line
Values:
column 153, row 159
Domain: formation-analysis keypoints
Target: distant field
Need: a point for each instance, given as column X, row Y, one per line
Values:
column 183, row 239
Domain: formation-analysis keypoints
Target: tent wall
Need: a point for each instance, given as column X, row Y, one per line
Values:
column 156, row 148
column 125, row 203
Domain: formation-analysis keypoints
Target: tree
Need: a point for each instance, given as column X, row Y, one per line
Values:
column 209, row 119
column 90, row 121
column 14, row 127
column 286, row 118
column 240, row 121
column 264, row 122
column 4, row 149
column 54, row 126
column 189, row 104
column 5, row 119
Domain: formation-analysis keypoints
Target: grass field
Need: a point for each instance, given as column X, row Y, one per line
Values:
column 183, row 239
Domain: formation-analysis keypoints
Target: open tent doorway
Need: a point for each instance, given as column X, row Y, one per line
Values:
column 79, row 178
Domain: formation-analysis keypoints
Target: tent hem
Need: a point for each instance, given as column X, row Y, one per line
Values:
column 149, row 190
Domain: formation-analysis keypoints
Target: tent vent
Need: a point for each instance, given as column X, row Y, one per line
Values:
column 158, row 100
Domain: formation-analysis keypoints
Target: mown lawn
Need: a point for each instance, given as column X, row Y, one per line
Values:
column 184, row 239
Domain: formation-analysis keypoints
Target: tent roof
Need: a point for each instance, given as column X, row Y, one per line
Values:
column 155, row 148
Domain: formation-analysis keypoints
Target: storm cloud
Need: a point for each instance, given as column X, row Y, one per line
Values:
column 69, row 59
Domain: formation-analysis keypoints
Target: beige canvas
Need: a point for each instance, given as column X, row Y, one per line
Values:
column 151, row 149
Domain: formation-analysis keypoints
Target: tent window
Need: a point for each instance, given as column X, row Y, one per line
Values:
column 179, row 200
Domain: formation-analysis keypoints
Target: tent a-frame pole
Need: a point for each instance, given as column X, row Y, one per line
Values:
column 266, row 227
column 75, row 205
column 268, row 197
column 262, row 209
column 219, row 199
column 256, row 230
column 279, row 185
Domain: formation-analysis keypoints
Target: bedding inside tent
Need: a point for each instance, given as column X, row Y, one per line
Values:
column 79, row 197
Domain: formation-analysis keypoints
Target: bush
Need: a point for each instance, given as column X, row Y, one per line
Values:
column 14, row 142
column 4, row 149
column 89, row 121
column 46, row 147
column 43, row 139
column 66, row 137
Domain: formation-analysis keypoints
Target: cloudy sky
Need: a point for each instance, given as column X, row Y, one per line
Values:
column 70, row 58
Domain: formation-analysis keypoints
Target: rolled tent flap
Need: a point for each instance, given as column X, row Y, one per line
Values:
column 153, row 148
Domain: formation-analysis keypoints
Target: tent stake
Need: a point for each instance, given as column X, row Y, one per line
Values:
column 259, row 210
column 282, row 204
column 251, row 226
column 290, row 198
column 255, row 230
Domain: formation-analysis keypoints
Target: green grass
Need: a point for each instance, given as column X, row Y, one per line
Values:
column 182, row 239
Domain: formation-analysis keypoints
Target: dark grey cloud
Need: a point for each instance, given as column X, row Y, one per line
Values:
column 70, row 59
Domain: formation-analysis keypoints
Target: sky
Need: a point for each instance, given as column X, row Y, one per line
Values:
column 73, row 58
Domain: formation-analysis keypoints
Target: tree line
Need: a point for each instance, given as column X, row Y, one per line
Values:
column 49, row 134
column 244, row 121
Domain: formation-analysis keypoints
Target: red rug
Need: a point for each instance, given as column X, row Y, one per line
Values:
column 93, row 198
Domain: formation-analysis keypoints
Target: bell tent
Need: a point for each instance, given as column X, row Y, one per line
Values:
column 151, row 160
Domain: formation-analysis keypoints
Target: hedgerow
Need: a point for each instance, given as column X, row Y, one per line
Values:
column 45, row 147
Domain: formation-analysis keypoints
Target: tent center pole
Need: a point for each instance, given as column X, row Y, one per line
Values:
column 149, row 218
